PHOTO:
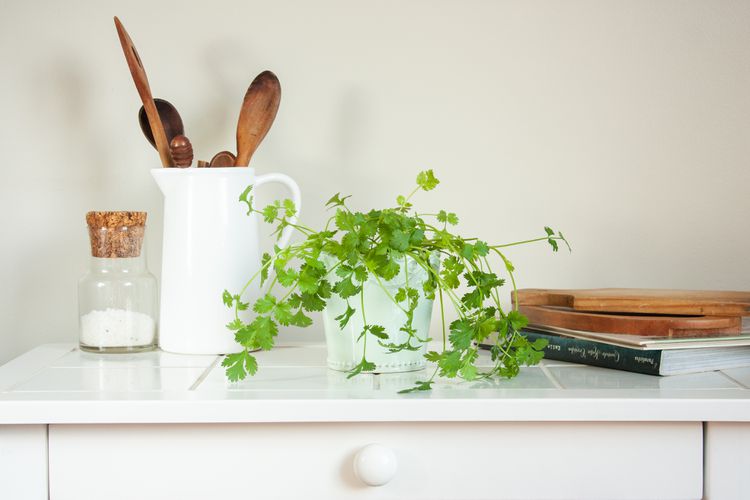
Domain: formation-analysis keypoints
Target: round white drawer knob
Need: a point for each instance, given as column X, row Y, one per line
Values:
column 375, row 465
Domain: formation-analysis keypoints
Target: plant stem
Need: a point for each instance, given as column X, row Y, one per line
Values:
column 364, row 322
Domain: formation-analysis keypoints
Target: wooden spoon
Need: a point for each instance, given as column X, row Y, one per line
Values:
column 223, row 159
column 179, row 145
column 144, row 91
column 256, row 116
column 170, row 119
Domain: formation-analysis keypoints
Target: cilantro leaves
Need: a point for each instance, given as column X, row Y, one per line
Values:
column 374, row 247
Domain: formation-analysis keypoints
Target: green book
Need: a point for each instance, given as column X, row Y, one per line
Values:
column 648, row 361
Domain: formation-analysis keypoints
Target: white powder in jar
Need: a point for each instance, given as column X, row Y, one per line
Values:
column 117, row 328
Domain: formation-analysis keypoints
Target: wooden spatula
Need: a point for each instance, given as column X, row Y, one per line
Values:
column 144, row 91
column 256, row 116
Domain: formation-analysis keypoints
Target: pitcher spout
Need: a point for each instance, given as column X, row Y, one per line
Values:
column 165, row 182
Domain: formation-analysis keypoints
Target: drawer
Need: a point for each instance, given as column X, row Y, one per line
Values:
column 433, row 461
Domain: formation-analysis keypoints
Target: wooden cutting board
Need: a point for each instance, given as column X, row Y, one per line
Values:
column 642, row 300
column 632, row 324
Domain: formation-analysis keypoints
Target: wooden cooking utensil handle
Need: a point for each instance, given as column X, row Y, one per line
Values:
column 144, row 91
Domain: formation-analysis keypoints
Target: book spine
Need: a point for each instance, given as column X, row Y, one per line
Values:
column 593, row 353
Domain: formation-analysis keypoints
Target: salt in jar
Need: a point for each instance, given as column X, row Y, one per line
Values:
column 117, row 297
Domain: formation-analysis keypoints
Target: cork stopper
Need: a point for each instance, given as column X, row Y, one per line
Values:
column 116, row 234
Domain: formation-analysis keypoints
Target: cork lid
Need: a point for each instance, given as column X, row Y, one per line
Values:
column 116, row 234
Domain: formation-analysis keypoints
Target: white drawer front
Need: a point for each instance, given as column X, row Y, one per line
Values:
column 435, row 461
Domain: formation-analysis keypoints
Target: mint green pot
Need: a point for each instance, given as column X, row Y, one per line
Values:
column 345, row 351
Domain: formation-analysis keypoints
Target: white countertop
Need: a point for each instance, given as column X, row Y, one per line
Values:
column 57, row 383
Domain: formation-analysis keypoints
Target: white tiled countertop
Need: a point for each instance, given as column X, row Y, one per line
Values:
column 57, row 383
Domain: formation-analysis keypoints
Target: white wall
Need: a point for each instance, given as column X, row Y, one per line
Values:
column 624, row 123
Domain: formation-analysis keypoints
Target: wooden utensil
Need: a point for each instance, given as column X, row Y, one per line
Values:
column 170, row 119
column 256, row 115
column 182, row 151
column 633, row 324
column 144, row 91
column 223, row 159
column 640, row 300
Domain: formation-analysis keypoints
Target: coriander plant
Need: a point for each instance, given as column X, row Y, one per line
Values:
column 355, row 246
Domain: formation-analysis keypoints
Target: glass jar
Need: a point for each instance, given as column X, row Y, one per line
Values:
column 117, row 298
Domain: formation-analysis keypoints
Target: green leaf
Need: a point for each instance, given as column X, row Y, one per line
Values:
column 402, row 203
column 447, row 217
column 265, row 330
column 289, row 209
column 540, row 344
column 473, row 299
column 308, row 280
column 235, row 324
column 361, row 274
column 239, row 365
column 553, row 244
column 345, row 288
column 389, row 269
column 300, row 320
column 264, row 304
column 420, row 385
column 399, row 240
column 226, row 297
column 450, row 363
column 311, row 302
column 481, row 249
column 427, row 180
column 264, row 262
column 246, row 198
column 270, row 212
column 286, row 277
column 283, row 313
column 468, row 372
column 363, row 366
column 336, row 200
column 245, row 336
column 378, row 331
column 344, row 317
column 517, row 320
column 549, row 231
column 433, row 356
column 461, row 334
column 344, row 271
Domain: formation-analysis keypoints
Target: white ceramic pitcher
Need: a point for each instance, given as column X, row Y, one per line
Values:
column 210, row 245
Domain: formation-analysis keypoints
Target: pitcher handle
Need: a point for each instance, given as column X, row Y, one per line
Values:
column 296, row 198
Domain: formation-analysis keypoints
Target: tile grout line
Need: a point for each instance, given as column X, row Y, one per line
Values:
column 205, row 373
column 733, row 380
column 13, row 387
column 551, row 377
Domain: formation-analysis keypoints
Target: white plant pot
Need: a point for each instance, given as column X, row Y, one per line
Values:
column 345, row 350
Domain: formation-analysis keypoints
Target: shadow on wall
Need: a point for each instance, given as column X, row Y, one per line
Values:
column 62, row 91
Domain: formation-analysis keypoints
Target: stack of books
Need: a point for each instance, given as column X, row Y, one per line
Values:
column 657, row 332
column 645, row 354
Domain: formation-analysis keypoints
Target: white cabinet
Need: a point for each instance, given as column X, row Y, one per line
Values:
column 23, row 462
column 77, row 426
column 518, row 460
